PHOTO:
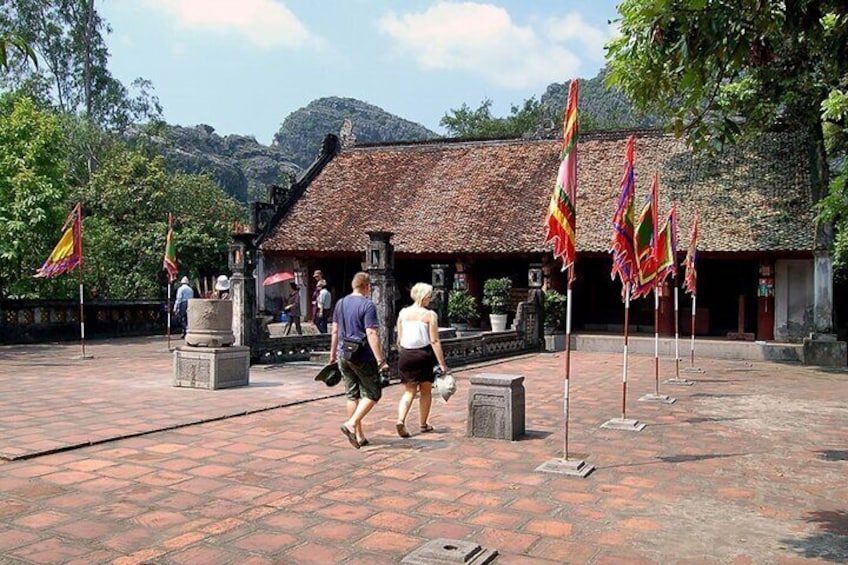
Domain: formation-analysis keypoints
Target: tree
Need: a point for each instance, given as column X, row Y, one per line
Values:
column 10, row 41
column 127, row 204
column 480, row 123
column 720, row 70
column 32, row 191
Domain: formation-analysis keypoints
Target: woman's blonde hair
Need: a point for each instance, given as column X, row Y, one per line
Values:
column 420, row 291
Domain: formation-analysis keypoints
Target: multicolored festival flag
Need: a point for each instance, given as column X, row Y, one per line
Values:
column 561, row 222
column 621, row 246
column 666, row 252
column 169, row 261
column 68, row 252
column 690, row 277
column 645, row 243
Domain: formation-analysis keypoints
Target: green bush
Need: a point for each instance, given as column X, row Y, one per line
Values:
column 555, row 303
column 462, row 307
column 496, row 294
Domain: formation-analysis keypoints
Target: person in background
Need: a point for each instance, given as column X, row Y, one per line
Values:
column 222, row 288
column 420, row 350
column 292, row 309
column 355, row 317
column 323, row 302
column 318, row 276
column 184, row 294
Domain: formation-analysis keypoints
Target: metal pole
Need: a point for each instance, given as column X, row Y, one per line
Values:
column 656, row 341
column 676, row 336
column 626, row 335
column 567, row 359
column 168, row 308
column 692, row 338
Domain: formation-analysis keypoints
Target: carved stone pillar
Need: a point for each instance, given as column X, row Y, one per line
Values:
column 380, row 261
column 439, row 303
column 242, row 261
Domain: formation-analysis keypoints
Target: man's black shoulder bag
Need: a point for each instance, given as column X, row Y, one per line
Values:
column 351, row 347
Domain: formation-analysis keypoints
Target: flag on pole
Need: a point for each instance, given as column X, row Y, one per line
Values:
column 667, row 247
column 645, row 243
column 68, row 252
column 561, row 222
column 621, row 246
column 169, row 262
column 690, row 276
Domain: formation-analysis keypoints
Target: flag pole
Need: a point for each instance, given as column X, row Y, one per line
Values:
column 567, row 356
column 168, row 308
column 626, row 336
column 676, row 336
column 656, row 340
column 81, row 288
column 692, row 336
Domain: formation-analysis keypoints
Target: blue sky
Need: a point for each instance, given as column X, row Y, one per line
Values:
column 242, row 66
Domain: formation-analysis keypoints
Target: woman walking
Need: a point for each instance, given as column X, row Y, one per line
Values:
column 293, row 309
column 420, row 351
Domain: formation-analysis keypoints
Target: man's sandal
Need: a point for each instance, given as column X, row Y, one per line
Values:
column 401, row 430
column 426, row 428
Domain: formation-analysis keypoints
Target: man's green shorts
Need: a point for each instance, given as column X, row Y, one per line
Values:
column 361, row 379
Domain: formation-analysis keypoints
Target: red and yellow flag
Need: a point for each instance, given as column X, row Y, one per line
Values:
column 621, row 245
column 690, row 276
column 561, row 222
column 169, row 261
column 68, row 252
column 645, row 243
column 666, row 253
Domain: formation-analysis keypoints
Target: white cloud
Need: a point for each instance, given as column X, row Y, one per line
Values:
column 264, row 23
column 483, row 39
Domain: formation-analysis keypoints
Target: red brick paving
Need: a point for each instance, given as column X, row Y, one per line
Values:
column 748, row 466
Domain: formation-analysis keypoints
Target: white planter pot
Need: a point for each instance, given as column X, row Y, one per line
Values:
column 498, row 322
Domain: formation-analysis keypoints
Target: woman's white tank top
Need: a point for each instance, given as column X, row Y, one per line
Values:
column 415, row 334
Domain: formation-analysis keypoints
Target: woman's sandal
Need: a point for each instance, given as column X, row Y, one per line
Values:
column 401, row 430
column 426, row 428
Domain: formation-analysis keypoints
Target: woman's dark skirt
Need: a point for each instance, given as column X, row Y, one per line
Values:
column 416, row 365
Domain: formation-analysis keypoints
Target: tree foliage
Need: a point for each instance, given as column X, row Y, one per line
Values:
column 480, row 123
column 32, row 191
column 127, row 204
column 718, row 70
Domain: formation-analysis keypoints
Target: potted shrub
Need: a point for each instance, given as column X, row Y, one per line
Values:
column 496, row 295
column 554, row 304
column 462, row 309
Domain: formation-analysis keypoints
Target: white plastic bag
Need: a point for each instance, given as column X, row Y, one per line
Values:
column 445, row 386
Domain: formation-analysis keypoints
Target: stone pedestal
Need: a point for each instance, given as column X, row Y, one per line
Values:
column 210, row 323
column 496, row 406
column 211, row 368
column 825, row 350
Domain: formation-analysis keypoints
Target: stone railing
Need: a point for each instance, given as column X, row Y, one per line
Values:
column 34, row 321
column 483, row 346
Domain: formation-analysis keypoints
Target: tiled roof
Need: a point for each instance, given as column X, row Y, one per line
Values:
column 491, row 196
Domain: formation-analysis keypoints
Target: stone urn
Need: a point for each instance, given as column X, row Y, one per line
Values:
column 210, row 323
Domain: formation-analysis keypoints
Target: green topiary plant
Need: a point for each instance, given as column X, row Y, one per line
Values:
column 462, row 307
column 496, row 294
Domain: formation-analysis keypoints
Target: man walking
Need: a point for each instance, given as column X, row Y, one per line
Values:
column 355, row 322
column 184, row 294
column 323, row 302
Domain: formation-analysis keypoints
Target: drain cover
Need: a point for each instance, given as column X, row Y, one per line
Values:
column 446, row 551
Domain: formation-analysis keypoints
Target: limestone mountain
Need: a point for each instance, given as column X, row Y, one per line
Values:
column 302, row 132
column 241, row 165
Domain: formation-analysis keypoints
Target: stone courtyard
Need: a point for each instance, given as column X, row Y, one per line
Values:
column 103, row 461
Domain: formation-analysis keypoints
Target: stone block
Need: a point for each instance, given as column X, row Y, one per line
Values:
column 825, row 350
column 211, row 368
column 496, row 406
column 445, row 551
column 554, row 342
